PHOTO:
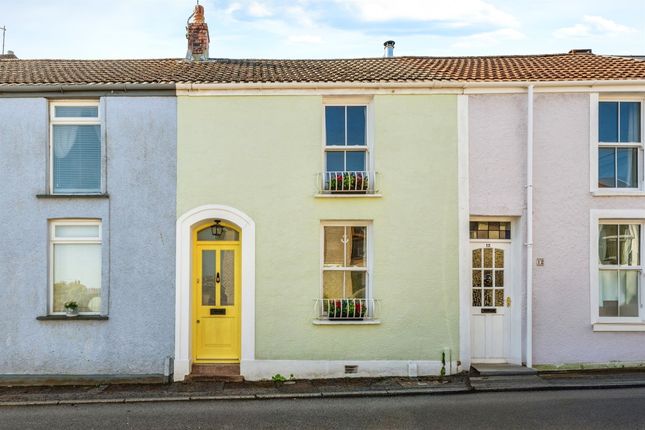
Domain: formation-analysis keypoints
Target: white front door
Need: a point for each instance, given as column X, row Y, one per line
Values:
column 490, row 301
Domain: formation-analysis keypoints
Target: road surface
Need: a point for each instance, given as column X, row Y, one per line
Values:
column 582, row 409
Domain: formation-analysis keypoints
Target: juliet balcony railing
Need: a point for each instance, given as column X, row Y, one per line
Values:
column 348, row 309
column 348, row 182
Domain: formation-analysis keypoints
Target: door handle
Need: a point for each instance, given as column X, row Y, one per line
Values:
column 217, row 278
column 197, row 321
column 508, row 302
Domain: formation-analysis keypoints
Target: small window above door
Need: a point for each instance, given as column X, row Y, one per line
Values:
column 490, row 230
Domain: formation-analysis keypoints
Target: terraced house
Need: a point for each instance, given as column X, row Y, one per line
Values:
column 321, row 218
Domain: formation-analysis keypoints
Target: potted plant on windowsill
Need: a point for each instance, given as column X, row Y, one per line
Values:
column 71, row 308
column 346, row 309
column 348, row 182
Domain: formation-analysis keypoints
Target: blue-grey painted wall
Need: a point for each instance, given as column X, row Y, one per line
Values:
column 138, row 221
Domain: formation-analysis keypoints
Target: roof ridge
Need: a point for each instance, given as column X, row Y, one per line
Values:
column 92, row 60
column 215, row 59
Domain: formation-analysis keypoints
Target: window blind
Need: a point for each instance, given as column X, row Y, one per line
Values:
column 77, row 158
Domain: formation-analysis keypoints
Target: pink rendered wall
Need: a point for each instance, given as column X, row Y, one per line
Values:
column 562, row 331
column 497, row 178
column 497, row 148
column 562, row 203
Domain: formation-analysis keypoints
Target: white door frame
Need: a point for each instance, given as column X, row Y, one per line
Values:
column 504, row 245
column 513, row 279
column 183, row 294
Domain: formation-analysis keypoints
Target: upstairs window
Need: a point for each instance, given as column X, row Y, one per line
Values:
column 75, row 147
column 619, row 269
column 346, row 150
column 620, row 144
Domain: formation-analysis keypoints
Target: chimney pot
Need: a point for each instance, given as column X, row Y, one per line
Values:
column 199, row 14
column 197, row 35
column 389, row 48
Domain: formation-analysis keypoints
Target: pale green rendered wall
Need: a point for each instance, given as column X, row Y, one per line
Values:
column 261, row 155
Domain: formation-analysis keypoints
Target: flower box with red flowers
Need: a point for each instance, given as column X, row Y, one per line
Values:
column 348, row 182
column 346, row 309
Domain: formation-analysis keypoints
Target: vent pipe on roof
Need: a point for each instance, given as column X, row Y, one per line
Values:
column 389, row 49
column 580, row 51
column 9, row 56
column 197, row 35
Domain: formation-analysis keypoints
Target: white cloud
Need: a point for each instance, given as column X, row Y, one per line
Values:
column 259, row 10
column 301, row 16
column 232, row 8
column 593, row 26
column 460, row 12
column 108, row 29
column 488, row 39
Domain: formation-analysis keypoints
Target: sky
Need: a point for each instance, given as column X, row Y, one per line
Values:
column 92, row 29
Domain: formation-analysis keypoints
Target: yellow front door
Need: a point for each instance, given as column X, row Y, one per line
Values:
column 216, row 322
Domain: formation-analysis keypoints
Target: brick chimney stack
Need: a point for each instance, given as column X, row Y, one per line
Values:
column 197, row 35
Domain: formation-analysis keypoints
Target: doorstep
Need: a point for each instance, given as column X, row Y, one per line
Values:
column 501, row 369
column 216, row 372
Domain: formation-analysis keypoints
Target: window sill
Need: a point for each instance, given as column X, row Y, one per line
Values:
column 617, row 192
column 73, row 196
column 608, row 327
column 353, row 196
column 76, row 318
column 345, row 322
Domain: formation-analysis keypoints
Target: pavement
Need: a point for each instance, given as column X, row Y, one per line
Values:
column 321, row 388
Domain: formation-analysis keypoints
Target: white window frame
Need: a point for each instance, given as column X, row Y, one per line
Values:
column 368, row 148
column 611, row 216
column 595, row 145
column 53, row 240
column 368, row 254
column 54, row 120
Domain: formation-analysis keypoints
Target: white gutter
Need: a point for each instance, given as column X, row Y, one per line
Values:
column 123, row 87
column 397, row 85
column 438, row 84
column 529, row 229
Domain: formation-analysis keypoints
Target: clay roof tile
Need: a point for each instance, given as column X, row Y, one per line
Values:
column 555, row 67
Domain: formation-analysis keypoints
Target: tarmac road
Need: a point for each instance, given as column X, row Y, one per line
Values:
column 579, row 409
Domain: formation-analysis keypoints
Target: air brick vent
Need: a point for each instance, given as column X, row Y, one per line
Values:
column 349, row 369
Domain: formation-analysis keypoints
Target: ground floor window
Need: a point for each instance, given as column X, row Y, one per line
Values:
column 619, row 268
column 345, row 268
column 75, row 265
